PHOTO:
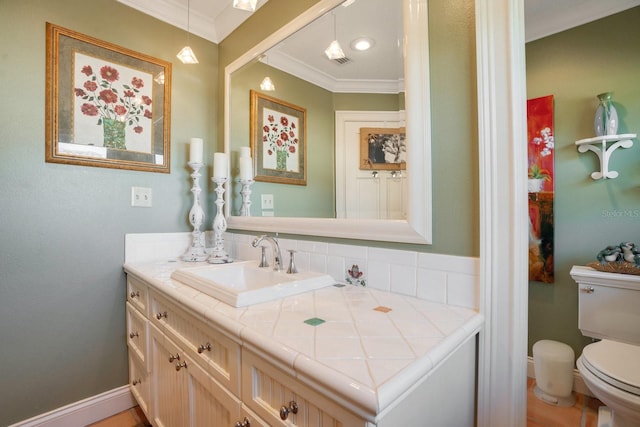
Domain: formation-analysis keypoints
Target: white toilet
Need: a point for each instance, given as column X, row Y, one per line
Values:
column 609, row 309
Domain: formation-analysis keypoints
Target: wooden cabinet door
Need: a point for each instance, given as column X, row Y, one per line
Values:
column 184, row 394
column 209, row 403
column 168, row 385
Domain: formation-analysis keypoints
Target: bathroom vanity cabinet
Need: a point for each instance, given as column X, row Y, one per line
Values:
column 195, row 361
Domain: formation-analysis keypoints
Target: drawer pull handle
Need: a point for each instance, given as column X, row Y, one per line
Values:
column 284, row 411
column 133, row 334
column 134, row 294
column 161, row 315
column 181, row 365
column 587, row 289
column 136, row 382
column 245, row 423
column 203, row 347
column 172, row 357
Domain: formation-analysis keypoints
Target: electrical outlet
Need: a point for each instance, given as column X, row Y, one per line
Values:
column 141, row 197
column 267, row 201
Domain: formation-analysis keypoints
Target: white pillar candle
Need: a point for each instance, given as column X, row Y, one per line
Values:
column 219, row 165
column 195, row 150
column 245, row 152
column 246, row 168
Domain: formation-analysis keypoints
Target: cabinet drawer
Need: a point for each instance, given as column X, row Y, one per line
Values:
column 137, row 294
column 139, row 383
column 268, row 391
column 136, row 333
column 210, row 348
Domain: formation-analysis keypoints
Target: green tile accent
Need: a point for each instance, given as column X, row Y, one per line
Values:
column 314, row 321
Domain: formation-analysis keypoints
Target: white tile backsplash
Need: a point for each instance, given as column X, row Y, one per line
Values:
column 378, row 275
column 432, row 285
column 403, row 279
column 439, row 278
column 336, row 267
column 348, row 250
column 393, row 256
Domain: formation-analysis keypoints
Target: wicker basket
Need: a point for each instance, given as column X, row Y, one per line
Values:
column 615, row 267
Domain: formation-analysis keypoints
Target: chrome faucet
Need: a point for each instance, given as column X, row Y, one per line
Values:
column 277, row 255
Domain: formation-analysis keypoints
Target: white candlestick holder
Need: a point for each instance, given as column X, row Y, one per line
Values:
column 218, row 254
column 245, row 210
column 196, row 251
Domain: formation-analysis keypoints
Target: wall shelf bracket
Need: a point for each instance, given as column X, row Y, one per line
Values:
column 604, row 146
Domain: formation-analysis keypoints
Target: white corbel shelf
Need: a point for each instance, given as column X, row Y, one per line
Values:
column 604, row 146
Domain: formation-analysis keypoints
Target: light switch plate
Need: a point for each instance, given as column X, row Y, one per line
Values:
column 141, row 197
column 267, row 201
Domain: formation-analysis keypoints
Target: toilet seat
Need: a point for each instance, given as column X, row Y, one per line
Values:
column 616, row 363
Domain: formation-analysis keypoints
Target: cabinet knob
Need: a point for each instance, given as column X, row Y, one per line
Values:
column 203, row 347
column 136, row 382
column 587, row 289
column 161, row 315
column 172, row 357
column 181, row 365
column 134, row 294
column 133, row 334
column 285, row 411
column 244, row 423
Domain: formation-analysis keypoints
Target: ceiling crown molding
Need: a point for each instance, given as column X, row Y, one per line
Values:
column 212, row 25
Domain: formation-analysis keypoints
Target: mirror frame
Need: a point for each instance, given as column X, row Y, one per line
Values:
column 417, row 228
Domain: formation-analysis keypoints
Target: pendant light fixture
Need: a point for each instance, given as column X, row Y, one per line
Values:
column 248, row 5
column 266, row 84
column 186, row 55
column 334, row 51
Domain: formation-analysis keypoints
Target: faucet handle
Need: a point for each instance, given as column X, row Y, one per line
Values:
column 263, row 258
column 292, row 264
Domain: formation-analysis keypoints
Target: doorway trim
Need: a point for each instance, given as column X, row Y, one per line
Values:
column 501, row 79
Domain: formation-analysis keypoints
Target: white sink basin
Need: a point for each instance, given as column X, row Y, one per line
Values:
column 243, row 283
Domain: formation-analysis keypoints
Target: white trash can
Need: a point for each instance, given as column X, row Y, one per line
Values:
column 553, row 362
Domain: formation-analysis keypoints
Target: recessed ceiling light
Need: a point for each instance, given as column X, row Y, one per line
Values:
column 362, row 43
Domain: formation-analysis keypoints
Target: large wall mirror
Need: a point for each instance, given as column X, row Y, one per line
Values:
column 385, row 87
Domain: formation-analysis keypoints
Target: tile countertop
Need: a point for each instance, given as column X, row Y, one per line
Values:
column 368, row 346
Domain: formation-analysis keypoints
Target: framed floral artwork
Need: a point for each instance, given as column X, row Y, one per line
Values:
column 106, row 106
column 278, row 140
column 541, row 176
column 383, row 149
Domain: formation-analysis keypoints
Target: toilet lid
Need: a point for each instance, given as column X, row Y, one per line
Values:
column 615, row 363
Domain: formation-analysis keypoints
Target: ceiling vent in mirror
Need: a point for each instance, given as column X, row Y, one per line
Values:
column 342, row 61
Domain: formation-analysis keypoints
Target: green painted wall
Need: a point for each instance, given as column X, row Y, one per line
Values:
column 454, row 115
column 62, row 287
column 575, row 66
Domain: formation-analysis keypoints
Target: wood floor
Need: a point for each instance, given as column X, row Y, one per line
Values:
column 133, row 417
column 539, row 414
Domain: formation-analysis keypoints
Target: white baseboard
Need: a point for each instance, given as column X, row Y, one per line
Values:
column 578, row 383
column 85, row 411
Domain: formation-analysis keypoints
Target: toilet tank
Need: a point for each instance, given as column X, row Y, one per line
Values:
column 608, row 304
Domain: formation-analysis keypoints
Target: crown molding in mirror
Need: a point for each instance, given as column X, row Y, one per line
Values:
column 418, row 226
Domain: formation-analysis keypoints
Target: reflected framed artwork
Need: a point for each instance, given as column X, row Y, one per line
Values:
column 383, row 149
column 106, row 106
column 278, row 140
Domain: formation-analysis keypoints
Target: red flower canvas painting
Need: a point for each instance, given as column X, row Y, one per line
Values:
column 541, row 148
